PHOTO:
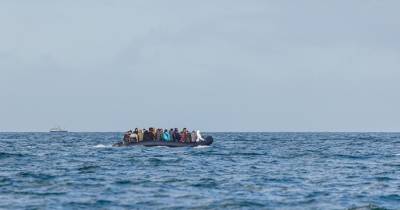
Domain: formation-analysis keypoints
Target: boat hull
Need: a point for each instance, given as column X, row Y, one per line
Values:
column 208, row 141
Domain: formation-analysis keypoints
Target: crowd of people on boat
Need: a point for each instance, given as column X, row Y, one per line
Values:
column 159, row 134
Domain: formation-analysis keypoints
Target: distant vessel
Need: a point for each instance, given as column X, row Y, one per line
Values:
column 58, row 130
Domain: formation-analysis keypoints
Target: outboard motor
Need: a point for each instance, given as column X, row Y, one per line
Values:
column 209, row 140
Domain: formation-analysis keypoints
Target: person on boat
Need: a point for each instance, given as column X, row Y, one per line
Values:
column 199, row 138
column 176, row 135
column 193, row 136
column 159, row 134
column 146, row 135
column 127, row 137
column 140, row 135
column 133, row 137
column 183, row 135
column 166, row 136
column 150, row 134
column 188, row 137
column 171, row 134
column 153, row 133
column 162, row 133
column 136, row 131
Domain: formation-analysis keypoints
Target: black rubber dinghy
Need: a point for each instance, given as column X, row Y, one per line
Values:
column 208, row 141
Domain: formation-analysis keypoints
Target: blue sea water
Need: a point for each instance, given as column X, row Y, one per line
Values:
column 239, row 171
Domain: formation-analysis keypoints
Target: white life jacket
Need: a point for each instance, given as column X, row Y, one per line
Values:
column 199, row 138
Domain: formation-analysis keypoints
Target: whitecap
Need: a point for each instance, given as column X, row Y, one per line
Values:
column 201, row 146
column 101, row 146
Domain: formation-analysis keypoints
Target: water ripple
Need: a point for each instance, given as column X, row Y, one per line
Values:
column 239, row 171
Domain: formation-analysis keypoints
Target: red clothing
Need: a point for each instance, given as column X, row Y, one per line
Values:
column 183, row 136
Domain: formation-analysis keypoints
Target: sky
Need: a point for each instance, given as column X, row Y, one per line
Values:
column 226, row 65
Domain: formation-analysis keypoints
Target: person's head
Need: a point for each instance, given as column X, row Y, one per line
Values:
column 176, row 129
column 165, row 131
column 184, row 129
column 136, row 129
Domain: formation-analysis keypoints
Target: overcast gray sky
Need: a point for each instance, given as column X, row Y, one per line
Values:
column 105, row 65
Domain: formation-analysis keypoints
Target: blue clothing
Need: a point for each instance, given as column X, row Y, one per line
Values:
column 166, row 136
column 176, row 136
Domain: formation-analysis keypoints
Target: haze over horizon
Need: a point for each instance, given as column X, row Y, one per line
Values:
column 212, row 65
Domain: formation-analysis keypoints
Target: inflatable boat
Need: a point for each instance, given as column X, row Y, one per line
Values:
column 208, row 141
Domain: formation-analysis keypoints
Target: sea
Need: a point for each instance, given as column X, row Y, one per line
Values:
column 238, row 171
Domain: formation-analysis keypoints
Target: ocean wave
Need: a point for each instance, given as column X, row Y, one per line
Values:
column 88, row 168
column 201, row 147
column 10, row 155
column 102, row 146
column 295, row 171
column 35, row 175
column 368, row 207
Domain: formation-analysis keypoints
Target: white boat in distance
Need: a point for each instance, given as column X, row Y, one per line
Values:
column 58, row 130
